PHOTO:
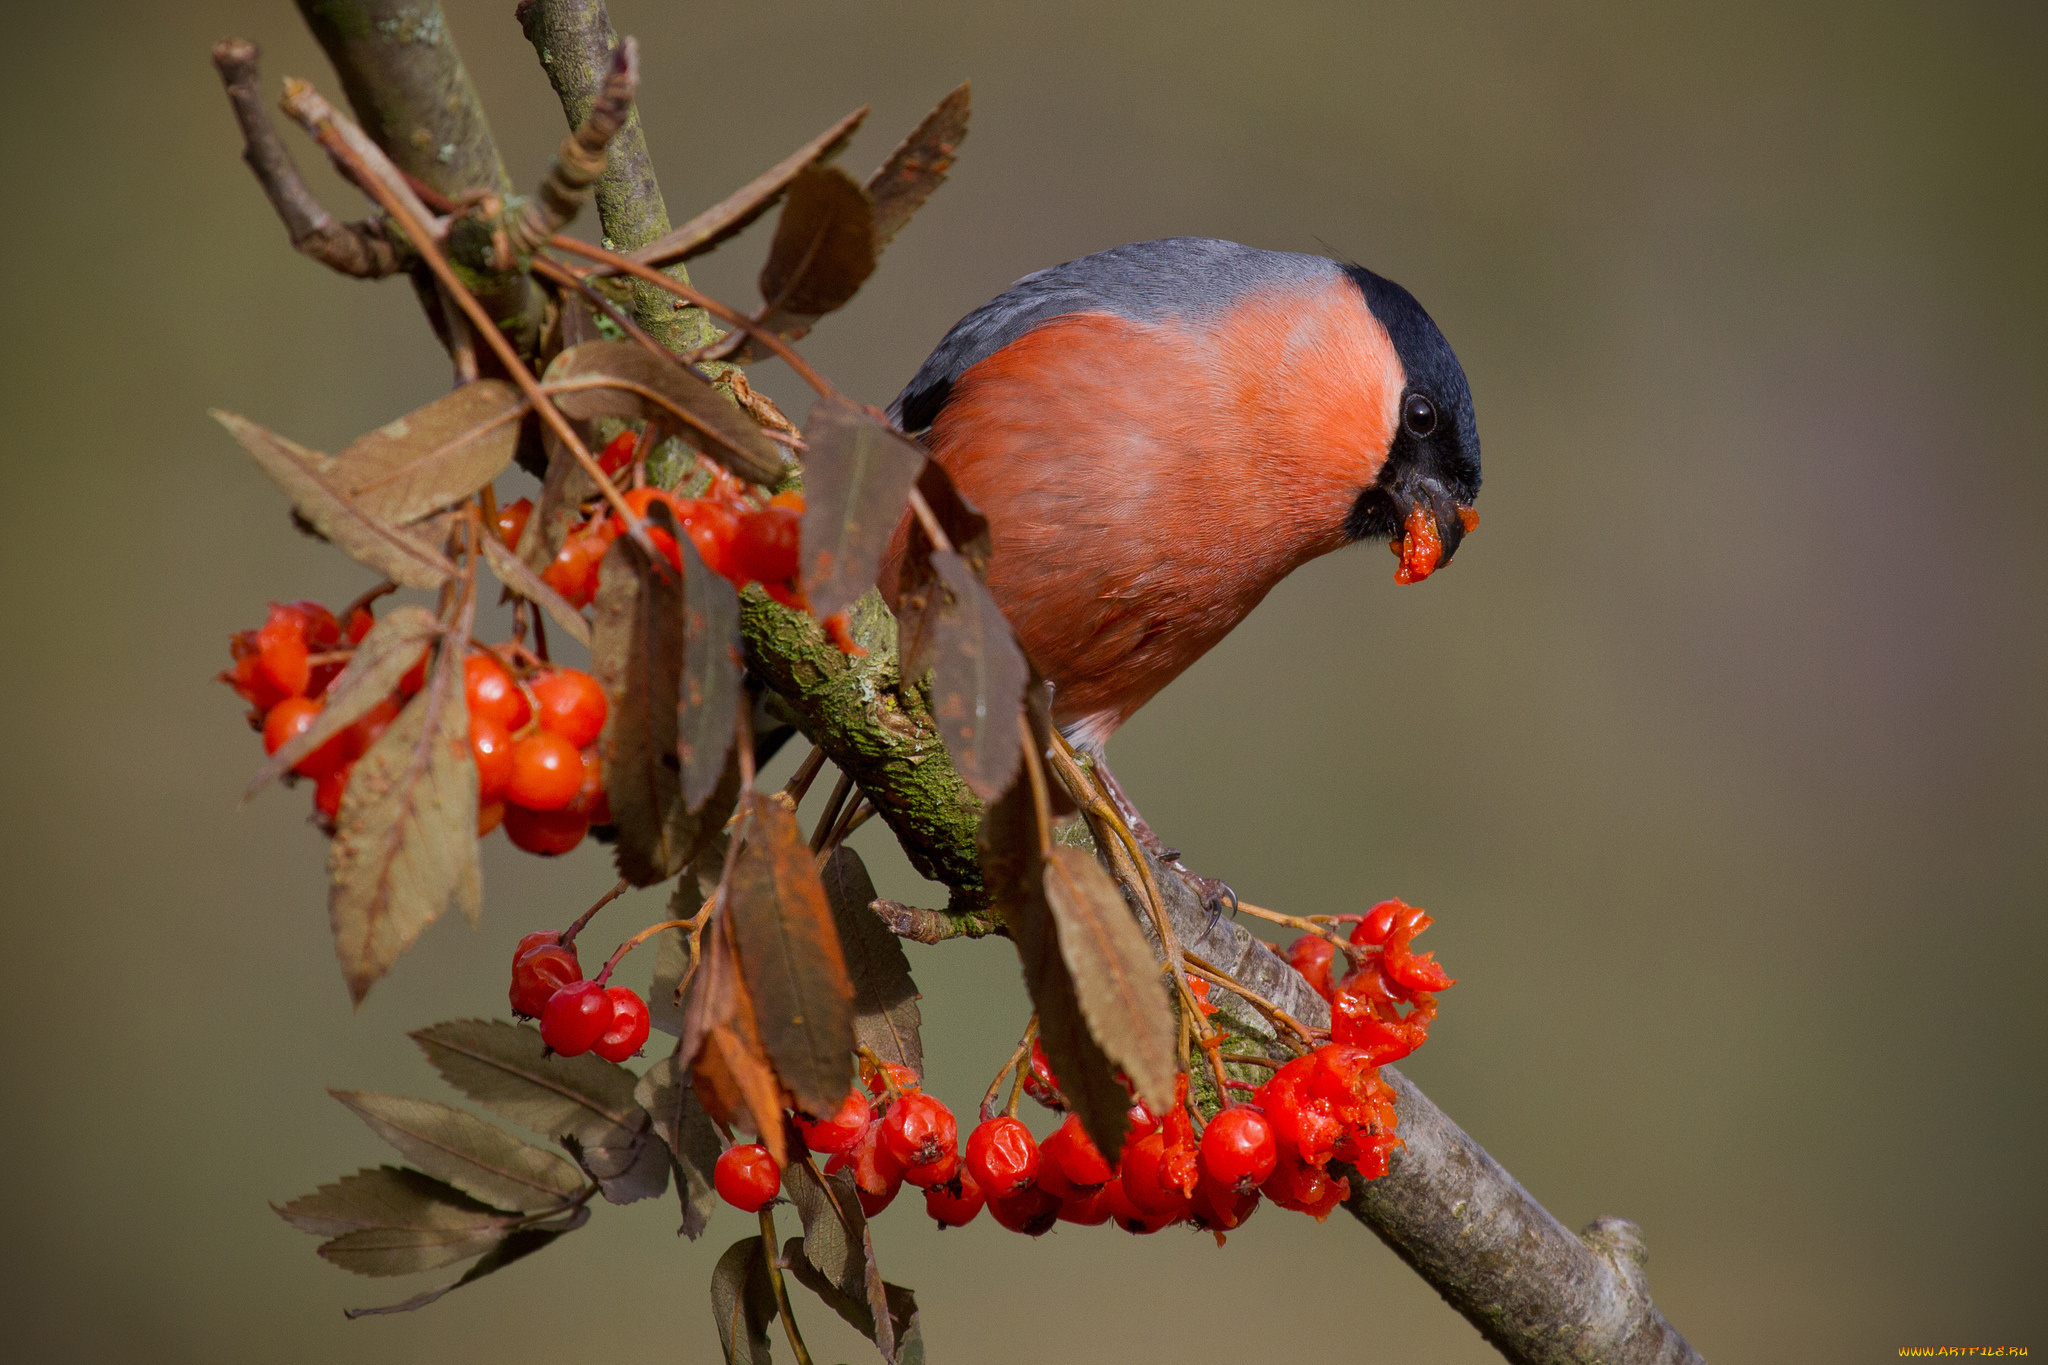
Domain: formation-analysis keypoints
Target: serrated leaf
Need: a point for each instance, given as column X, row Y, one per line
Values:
column 713, row 992
column 385, row 655
column 399, row 557
column 383, row 1196
column 623, row 379
column 680, row 1121
column 626, row 1171
column 885, row 1013
column 835, row 1228
column 978, row 678
column 502, row 1066
column 1116, row 978
column 473, row 1156
column 406, row 1251
column 918, row 167
column 733, row 213
column 434, row 455
column 789, row 956
column 513, row 573
column 708, row 690
column 405, row 840
column 517, row 1246
column 858, row 473
column 672, row 946
column 743, row 1302
column 902, row 1324
column 1014, row 872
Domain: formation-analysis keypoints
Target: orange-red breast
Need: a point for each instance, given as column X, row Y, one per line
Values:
column 1161, row 432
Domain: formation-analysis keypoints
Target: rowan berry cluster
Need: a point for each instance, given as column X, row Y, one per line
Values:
column 576, row 1016
column 737, row 535
column 531, row 734
column 1328, row 1105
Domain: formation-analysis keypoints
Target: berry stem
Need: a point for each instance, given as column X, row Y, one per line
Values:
column 830, row 818
column 1307, row 926
column 799, row 784
column 1209, row 972
column 769, row 1250
column 384, row 589
column 605, row 976
column 569, row 934
column 1017, row 1059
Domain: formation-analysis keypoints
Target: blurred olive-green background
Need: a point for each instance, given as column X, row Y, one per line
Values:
column 1718, row 753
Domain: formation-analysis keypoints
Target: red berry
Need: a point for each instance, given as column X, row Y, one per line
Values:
column 838, row 1131
column 546, row 832
column 539, row 972
column 919, row 1129
column 1311, row 955
column 322, row 632
column 955, row 1203
column 766, row 546
column 291, row 718
column 547, row 772
column 327, row 794
column 539, row 938
column 491, row 748
column 592, row 801
column 1069, row 1148
column 575, row 1017
column 932, row 1173
column 371, row 727
column 877, row 1176
column 1040, row 1084
column 492, row 692
column 1305, row 1189
column 1238, row 1150
column 1158, row 1177
column 489, row 815
column 281, row 652
column 571, row 704
column 902, row 1077
column 1089, row 1210
column 629, row 1027
column 511, row 523
column 1127, row 1215
column 358, row 625
column 573, row 573
column 711, row 528
column 1002, row 1156
column 747, row 1177
column 1031, row 1211
column 1218, row 1208
column 617, row 453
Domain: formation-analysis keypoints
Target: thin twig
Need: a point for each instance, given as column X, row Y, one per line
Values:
column 1217, row 976
column 799, row 784
column 581, row 158
column 568, row 935
column 1017, row 1058
column 829, row 821
column 357, row 249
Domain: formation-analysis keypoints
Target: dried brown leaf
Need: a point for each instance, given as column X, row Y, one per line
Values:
column 917, row 597
column 858, row 473
column 482, row 1161
column 565, row 487
column 824, row 247
column 637, row 656
column 405, row 840
column 918, row 167
column 385, row 655
column 1115, row 975
column 391, row 1221
column 978, row 678
column 506, row 1068
column 885, row 1013
column 708, row 692
column 733, row 213
column 898, row 1327
column 624, row 379
column 789, row 956
column 432, row 456
column 399, row 557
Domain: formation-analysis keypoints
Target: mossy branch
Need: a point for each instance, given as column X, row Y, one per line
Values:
column 575, row 41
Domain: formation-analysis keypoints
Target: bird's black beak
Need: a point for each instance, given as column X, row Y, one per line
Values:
column 1422, row 519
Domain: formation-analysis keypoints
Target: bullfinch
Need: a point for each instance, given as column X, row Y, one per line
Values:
column 1161, row 432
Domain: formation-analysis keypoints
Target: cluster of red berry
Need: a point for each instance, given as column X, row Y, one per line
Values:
column 1366, row 1005
column 576, row 1016
column 531, row 736
column 283, row 669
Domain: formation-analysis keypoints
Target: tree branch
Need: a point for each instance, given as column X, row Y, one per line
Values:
column 410, row 91
column 1539, row 1293
column 575, row 41
column 358, row 249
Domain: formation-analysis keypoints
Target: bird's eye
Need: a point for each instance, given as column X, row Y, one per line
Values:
column 1418, row 414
